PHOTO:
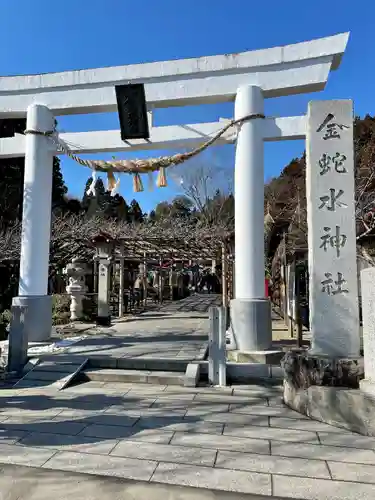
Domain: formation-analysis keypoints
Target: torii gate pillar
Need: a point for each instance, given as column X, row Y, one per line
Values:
column 33, row 301
column 251, row 311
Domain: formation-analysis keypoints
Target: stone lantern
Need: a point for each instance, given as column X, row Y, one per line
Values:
column 77, row 271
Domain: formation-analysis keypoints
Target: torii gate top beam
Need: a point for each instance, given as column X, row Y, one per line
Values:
column 290, row 69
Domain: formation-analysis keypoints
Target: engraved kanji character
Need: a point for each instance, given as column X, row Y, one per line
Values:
column 325, row 164
column 332, row 200
column 338, row 160
column 328, row 284
column 330, row 127
column 335, row 241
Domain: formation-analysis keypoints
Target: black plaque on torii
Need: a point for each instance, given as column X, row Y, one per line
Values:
column 132, row 111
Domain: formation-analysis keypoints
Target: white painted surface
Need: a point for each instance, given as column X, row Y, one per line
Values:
column 36, row 218
column 192, row 90
column 168, row 137
column 290, row 69
column 368, row 319
column 332, row 46
column 249, row 197
column 334, row 316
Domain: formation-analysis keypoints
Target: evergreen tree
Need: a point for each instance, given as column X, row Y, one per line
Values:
column 180, row 207
column 103, row 204
column 135, row 212
column 94, row 205
column 12, row 173
column 152, row 216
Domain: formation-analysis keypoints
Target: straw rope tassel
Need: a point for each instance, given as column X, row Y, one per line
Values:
column 162, row 178
column 137, row 183
column 115, row 190
column 111, row 181
column 91, row 189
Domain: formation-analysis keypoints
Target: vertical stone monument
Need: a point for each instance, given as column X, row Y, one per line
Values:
column 333, row 285
column 104, row 248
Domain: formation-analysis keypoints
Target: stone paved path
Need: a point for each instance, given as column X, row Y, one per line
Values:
column 233, row 439
column 162, row 334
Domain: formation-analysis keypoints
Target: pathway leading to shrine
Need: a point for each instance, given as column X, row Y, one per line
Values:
column 238, row 439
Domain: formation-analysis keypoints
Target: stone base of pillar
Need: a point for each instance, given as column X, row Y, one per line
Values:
column 36, row 314
column 103, row 320
column 252, row 324
column 367, row 386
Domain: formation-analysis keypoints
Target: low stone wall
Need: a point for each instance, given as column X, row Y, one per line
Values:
column 302, row 370
column 328, row 390
column 346, row 408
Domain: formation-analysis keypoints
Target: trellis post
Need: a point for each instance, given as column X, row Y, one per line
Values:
column 121, row 283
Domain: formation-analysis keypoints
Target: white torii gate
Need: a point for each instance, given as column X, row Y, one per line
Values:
column 246, row 78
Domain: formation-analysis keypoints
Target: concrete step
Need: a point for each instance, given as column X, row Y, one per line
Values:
column 57, row 375
column 143, row 363
column 139, row 376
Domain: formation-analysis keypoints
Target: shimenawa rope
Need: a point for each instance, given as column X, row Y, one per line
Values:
column 138, row 166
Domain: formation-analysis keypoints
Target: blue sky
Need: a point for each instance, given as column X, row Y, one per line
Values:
column 38, row 36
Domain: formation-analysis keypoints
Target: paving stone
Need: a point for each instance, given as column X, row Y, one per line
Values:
column 229, row 399
column 228, row 418
column 133, row 433
column 24, row 455
column 165, row 453
column 215, row 391
column 320, row 452
column 205, row 408
column 30, row 384
column 220, row 442
column 147, row 390
column 352, row 472
column 182, row 397
column 51, row 427
column 61, row 442
column 302, row 424
column 272, row 465
column 256, row 432
column 272, row 411
column 321, row 489
column 123, row 419
column 76, row 413
column 26, row 413
column 275, row 400
column 130, row 405
column 162, row 412
column 217, row 479
column 102, row 464
column 347, row 439
column 11, row 435
column 168, row 424
column 243, row 390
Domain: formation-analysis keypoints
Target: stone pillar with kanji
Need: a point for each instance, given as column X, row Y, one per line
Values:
column 333, row 285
